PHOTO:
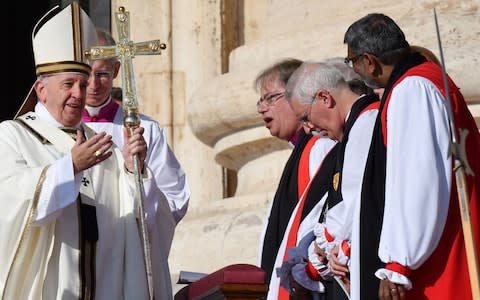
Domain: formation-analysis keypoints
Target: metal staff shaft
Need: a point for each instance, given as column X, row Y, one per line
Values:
column 131, row 122
column 461, row 180
column 143, row 225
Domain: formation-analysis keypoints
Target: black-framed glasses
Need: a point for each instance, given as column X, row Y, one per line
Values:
column 270, row 99
column 350, row 60
column 305, row 118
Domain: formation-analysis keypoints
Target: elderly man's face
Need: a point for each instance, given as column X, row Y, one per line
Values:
column 360, row 65
column 320, row 116
column 63, row 95
column 276, row 113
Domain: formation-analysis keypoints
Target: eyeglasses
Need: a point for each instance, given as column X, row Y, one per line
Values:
column 270, row 99
column 351, row 60
column 102, row 75
column 304, row 119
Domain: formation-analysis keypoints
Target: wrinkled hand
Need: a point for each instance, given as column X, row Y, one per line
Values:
column 86, row 154
column 322, row 255
column 337, row 268
column 134, row 144
column 391, row 291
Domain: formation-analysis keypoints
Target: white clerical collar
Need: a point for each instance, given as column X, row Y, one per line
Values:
column 45, row 115
column 348, row 115
column 94, row 110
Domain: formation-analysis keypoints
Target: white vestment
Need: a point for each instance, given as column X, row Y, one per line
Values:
column 171, row 191
column 39, row 221
column 339, row 219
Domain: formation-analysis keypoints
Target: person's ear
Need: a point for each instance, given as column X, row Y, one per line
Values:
column 372, row 64
column 116, row 67
column 40, row 90
column 325, row 98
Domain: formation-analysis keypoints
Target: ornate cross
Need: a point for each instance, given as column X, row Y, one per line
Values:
column 125, row 50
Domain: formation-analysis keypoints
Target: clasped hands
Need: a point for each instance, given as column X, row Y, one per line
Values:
column 387, row 290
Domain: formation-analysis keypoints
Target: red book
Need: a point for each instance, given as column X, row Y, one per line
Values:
column 238, row 273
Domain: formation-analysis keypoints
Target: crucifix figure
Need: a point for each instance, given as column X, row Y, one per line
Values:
column 125, row 50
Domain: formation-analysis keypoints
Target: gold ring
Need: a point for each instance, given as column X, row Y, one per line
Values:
column 98, row 153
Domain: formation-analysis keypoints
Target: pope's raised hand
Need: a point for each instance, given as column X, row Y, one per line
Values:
column 87, row 153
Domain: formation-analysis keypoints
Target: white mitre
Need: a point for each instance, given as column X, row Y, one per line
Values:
column 60, row 41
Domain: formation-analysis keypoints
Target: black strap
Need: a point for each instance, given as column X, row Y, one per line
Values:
column 88, row 215
column 88, row 238
column 321, row 182
column 285, row 200
column 335, row 188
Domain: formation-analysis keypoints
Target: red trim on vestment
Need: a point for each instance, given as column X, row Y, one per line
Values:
column 312, row 272
column 327, row 235
column 304, row 166
column 445, row 273
column 283, row 294
column 304, row 182
column 396, row 267
column 374, row 105
column 345, row 248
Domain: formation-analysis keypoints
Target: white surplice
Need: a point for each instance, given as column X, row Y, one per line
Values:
column 171, row 193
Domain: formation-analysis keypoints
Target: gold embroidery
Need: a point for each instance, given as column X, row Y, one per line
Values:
column 336, row 179
column 42, row 139
column 28, row 224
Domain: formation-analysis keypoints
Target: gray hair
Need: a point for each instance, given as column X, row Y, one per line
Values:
column 43, row 78
column 309, row 78
column 339, row 63
column 379, row 35
column 354, row 81
column 281, row 70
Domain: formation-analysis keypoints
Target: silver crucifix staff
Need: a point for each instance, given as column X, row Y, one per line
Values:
column 460, row 168
column 126, row 50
